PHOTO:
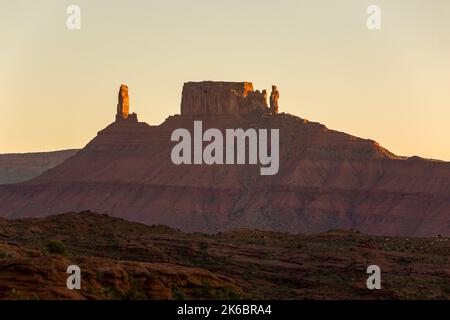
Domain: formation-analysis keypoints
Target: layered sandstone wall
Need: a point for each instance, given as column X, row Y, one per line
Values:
column 217, row 98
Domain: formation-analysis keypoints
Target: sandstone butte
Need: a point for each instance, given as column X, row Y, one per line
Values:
column 327, row 179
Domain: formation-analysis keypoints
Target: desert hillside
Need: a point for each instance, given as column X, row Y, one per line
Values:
column 327, row 180
column 126, row 260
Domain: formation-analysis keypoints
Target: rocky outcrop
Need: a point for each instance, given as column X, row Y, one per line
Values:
column 222, row 98
column 123, row 106
column 32, row 274
column 274, row 96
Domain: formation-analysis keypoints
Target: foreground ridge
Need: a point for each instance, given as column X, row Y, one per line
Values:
column 126, row 260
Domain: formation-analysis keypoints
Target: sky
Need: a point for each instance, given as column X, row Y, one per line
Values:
column 58, row 87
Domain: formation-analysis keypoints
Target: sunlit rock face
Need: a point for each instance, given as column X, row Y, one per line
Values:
column 123, row 105
column 219, row 98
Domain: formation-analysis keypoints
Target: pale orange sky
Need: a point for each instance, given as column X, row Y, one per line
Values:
column 58, row 88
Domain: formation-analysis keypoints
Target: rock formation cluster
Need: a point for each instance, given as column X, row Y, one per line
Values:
column 326, row 179
column 222, row 98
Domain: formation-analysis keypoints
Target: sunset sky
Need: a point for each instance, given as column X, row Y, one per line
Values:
column 58, row 87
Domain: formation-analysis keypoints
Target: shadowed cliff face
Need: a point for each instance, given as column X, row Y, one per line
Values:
column 327, row 180
column 231, row 98
column 19, row 167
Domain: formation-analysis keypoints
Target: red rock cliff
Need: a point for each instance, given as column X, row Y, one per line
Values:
column 217, row 98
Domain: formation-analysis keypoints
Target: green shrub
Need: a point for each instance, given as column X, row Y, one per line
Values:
column 206, row 288
column 178, row 294
column 56, row 246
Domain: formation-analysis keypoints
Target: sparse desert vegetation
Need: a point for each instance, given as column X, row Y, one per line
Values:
column 125, row 260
